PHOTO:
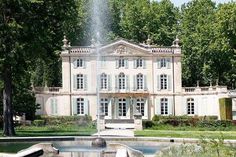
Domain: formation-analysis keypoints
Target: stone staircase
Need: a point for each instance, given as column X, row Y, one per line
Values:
column 119, row 124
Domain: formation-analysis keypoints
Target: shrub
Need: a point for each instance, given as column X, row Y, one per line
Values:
column 39, row 122
column 147, row 124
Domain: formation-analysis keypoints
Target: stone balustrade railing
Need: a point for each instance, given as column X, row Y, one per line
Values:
column 162, row 50
column 81, row 50
column 47, row 89
column 204, row 89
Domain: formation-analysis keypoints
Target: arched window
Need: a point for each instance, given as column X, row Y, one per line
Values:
column 163, row 79
column 164, row 106
column 103, row 81
column 104, row 106
column 121, row 81
column 140, row 81
column 80, row 81
column 190, row 106
column 140, row 106
column 80, row 106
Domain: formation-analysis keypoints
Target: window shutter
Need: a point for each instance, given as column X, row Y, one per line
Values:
column 74, row 82
column 158, row 63
column 116, row 83
column 127, row 82
column 109, row 107
column 55, row 106
column 135, row 63
column 168, row 63
column 126, row 63
column 84, row 63
column 117, row 63
column 52, row 106
column 74, row 101
column 169, row 83
column 86, row 106
column 144, row 64
column 195, row 107
column 134, row 83
column 185, row 107
column 85, row 82
column 158, row 83
column 74, row 63
column 109, row 82
column 158, row 106
column 134, row 106
column 145, row 82
column 99, row 82
column 170, row 106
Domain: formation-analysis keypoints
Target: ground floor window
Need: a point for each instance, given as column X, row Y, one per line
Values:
column 104, row 106
column 140, row 105
column 122, row 107
column 164, row 106
column 190, row 106
column 80, row 106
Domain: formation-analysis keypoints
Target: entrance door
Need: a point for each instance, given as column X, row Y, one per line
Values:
column 122, row 108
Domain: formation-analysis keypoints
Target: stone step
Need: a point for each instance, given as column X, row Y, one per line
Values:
column 124, row 121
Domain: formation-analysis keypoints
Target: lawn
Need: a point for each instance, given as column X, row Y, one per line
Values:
column 56, row 130
column 186, row 134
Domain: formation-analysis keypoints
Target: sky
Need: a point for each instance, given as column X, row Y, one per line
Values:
column 180, row 2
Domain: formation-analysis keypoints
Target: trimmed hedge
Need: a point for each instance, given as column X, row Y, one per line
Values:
column 39, row 122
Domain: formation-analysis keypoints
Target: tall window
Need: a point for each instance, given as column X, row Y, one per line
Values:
column 80, row 81
column 104, row 106
column 164, row 106
column 163, row 62
column 140, row 81
column 139, row 62
column 121, row 81
column 121, row 62
column 140, row 106
column 163, row 79
column 80, row 106
column 103, row 81
column 190, row 106
column 122, row 107
column 80, row 62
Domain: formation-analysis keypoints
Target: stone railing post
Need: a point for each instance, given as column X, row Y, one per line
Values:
column 102, row 121
column 138, row 125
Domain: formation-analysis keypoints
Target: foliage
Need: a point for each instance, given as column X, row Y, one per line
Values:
column 38, row 122
column 205, row 148
column 147, row 124
column 225, row 108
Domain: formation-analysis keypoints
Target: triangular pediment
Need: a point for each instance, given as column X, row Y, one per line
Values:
column 123, row 48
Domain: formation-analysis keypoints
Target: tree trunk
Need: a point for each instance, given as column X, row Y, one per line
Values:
column 8, row 125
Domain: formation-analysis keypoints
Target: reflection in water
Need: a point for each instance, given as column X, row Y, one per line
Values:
column 80, row 154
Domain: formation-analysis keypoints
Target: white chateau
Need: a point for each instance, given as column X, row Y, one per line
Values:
column 130, row 78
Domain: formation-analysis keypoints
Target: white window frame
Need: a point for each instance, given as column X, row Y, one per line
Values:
column 140, row 82
column 80, row 106
column 190, row 106
column 164, row 106
column 163, row 63
column 139, row 63
column 80, row 81
column 104, row 106
column 121, row 62
column 79, row 63
column 163, row 81
column 140, row 106
column 121, row 81
column 122, row 108
column 103, row 81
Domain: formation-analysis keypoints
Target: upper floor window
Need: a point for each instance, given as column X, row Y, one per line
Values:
column 80, row 62
column 104, row 106
column 80, row 81
column 163, row 62
column 163, row 81
column 140, row 105
column 139, row 62
column 140, row 81
column 190, row 106
column 103, row 81
column 121, row 62
column 80, row 106
column 121, row 81
column 164, row 106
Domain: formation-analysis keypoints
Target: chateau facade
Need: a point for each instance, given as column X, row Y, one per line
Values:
column 130, row 78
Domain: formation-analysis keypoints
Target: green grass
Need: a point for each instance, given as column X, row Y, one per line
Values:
column 186, row 134
column 58, row 130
